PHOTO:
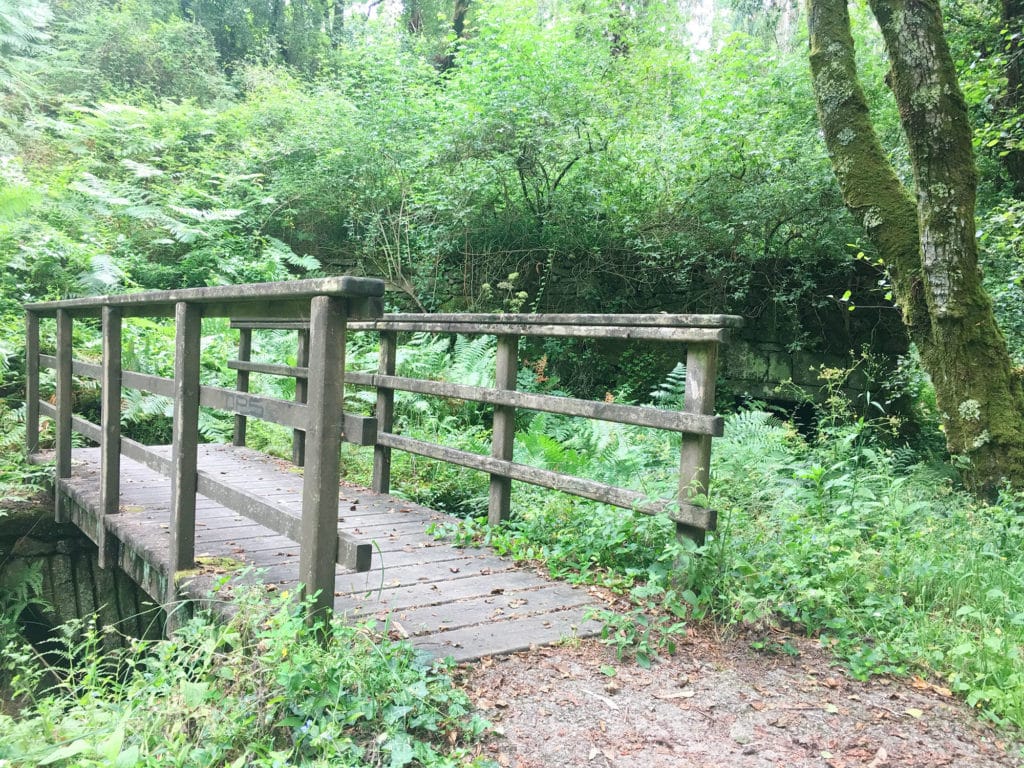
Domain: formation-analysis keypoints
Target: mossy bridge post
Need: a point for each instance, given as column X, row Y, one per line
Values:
column 191, row 518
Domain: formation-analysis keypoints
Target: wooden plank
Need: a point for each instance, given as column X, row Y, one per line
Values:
column 283, row 412
column 110, row 424
column 301, row 395
column 31, row 382
column 642, row 416
column 359, row 430
column 241, row 381
column 64, row 406
column 271, row 325
column 503, row 432
column 277, row 299
column 319, row 539
column 384, row 411
column 350, row 552
column 148, row 457
column 144, row 382
column 509, row 636
column 658, row 320
column 418, row 595
column 643, row 333
column 378, row 578
column 78, row 424
column 271, row 369
column 695, row 453
column 525, row 320
column 188, row 319
column 503, row 606
column 577, row 486
column 87, row 370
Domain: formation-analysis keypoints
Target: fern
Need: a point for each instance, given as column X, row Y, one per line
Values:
column 755, row 429
column 139, row 407
column 22, row 588
column 472, row 361
column 103, row 276
column 671, row 392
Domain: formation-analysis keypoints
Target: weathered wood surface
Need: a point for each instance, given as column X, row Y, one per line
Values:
column 658, row 320
column 464, row 603
column 638, row 415
column 556, row 481
column 287, row 299
column 503, row 432
column 64, row 403
column 642, row 332
column 522, row 319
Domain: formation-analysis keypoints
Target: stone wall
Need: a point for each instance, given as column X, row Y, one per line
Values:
column 74, row 586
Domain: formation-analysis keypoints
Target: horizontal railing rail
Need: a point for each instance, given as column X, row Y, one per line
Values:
column 323, row 306
column 697, row 423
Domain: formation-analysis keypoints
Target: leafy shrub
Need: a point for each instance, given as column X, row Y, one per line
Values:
column 262, row 689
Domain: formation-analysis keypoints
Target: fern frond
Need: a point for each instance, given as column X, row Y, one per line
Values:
column 671, row 392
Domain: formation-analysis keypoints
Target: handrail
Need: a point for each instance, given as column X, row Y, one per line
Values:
column 323, row 305
column 697, row 423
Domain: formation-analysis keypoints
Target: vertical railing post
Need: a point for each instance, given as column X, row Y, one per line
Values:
column 110, row 425
column 318, row 545
column 385, row 411
column 184, row 449
column 64, row 407
column 242, row 382
column 695, row 455
column 31, row 382
column 499, row 501
column 301, row 394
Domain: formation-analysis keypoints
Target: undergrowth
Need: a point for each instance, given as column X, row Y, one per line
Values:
column 263, row 689
column 845, row 536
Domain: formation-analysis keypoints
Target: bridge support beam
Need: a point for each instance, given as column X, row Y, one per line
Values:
column 319, row 527
column 385, row 411
column 499, row 499
column 31, row 382
column 188, row 318
column 242, row 383
column 695, row 455
column 301, row 395
column 64, row 410
column 110, row 425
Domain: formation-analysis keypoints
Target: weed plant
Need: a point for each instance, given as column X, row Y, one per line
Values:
column 262, row 689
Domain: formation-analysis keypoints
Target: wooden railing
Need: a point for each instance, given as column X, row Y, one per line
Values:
column 697, row 423
column 324, row 306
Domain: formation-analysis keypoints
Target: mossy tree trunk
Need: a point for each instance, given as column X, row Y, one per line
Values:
column 1011, row 104
column 927, row 240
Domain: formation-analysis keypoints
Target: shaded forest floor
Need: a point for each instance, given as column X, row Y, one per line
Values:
column 719, row 702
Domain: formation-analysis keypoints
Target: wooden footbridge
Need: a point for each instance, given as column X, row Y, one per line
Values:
column 179, row 519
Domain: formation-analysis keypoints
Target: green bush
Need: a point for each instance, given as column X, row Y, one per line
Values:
column 262, row 689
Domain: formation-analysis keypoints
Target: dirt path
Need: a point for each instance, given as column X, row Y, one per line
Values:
column 720, row 703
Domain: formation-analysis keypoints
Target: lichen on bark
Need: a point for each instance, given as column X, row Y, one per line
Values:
column 928, row 239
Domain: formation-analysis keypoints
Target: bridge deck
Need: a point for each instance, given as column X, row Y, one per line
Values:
column 464, row 603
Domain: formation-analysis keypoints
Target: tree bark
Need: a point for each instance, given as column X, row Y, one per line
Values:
column 1013, row 100
column 927, row 241
column 446, row 61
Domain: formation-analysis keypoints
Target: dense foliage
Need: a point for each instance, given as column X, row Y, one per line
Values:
column 263, row 689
